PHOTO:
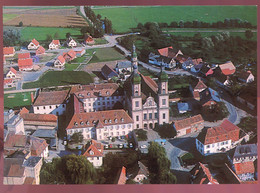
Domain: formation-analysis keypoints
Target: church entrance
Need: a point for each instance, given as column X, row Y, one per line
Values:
column 150, row 126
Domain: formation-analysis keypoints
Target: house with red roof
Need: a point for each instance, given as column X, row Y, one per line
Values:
column 189, row 125
column 121, row 176
column 40, row 50
column 89, row 40
column 69, row 56
column 34, row 44
column 218, row 139
column 9, row 83
column 12, row 73
column 9, row 51
column 54, row 45
column 201, row 174
column 24, row 55
column 25, row 64
column 245, row 170
column 94, row 153
column 228, row 68
column 59, row 62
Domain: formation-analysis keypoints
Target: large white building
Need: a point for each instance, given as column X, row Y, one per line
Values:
column 218, row 139
column 146, row 100
column 51, row 103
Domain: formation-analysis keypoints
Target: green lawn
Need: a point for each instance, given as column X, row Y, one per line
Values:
column 99, row 41
column 70, row 67
column 79, row 59
column 125, row 18
column 17, row 100
column 59, row 78
column 7, row 17
column 40, row 33
column 106, row 54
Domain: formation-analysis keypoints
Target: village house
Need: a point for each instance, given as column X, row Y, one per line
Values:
column 9, row 83
column 40, row 50
column 206, row 70
column 32, row 168
column 89, row 40
column 54, row 45
column 12, row 73
column 108, row 72
column 146, row 101
column 123, row 67
column 94, row 153
column 201, row 174
column 160, row 60
column 50, row 135
column 25, row 64
column 79, row 51
column 209, row 98
column 245, row 171
column 98, row 97
column 71, row 42
column 121, row 176
column 196, row 88
column 59, row 62
column 218, row 139
column 14, row 172
column 189, row 125
column 16, row 125
column 246, row 76
column 69, row 56
column 24, row 55
column 34, row 44
column 245, row 153
column 228, row 68
column 9, row 51
column 100, row 125
column 138, row 173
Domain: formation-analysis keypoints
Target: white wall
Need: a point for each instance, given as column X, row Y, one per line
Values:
column 50, row 109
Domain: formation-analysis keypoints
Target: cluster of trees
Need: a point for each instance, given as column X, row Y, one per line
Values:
column 159, row 165
column 11, row 37
column 70, row 169
column 227, row 23
column 141, row 134
column 215, row 113
column 97, row 26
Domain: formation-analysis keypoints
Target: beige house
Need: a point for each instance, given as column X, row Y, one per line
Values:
column 32, row 168
column 34, row 44
column 12, row 73
column 94, row 153
column 54, row 45
column 71, row 43
column 59, row 62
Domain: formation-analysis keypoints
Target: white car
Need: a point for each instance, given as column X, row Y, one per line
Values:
column 143, row 146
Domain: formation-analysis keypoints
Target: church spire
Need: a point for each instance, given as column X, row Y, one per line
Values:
column 134, row 60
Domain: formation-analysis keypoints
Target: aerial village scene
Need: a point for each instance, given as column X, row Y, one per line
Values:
column 130, row 95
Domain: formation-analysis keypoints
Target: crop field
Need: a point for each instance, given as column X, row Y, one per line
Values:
column 44, row 17
column 59, row 78
column 40, row 33
column 106, row 54
column 125, row 18
column 17, row 99
column 7, row 17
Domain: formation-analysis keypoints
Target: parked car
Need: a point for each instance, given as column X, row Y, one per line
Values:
column 143, row 146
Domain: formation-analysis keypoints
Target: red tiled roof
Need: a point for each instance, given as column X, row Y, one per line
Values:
column 71, row 54
column 210, row 71
column 83, row 120
column 16, row 171
column 24, row 55
column 37, row 146
column 8, row 81
column 244, row 167
column 168, row 52
column 227, row 68
column 95, row 148
column 61, row 59
column 150, row 82
column 8, row 50
column 22, row 63
column 56, row 42
column 40, row 50
column 89, row 39
column 188, row 122
column 249, row 182
column 23, row 111
column 121, row 179
column 15, row 141
column 13, row 70
column 35, row 42
column 208, row 174
column 200, row 85
column 38, row 117
column 51, row 98
column 226, row 131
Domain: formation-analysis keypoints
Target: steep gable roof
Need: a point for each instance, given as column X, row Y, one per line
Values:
column 106, row 71
column 13, row 70
column 94, row 150
column 25, row 62
column 51, row 98
column 37, row 146
column 24, row 55
column 227, row 68
column 40, row 49
column 61, row 59
column 56, row 42
column 244, row 167
column 121, row 176
column 208, row 175
column 39, row 117
column 23, row 111
column 200, row 85
column 35, row 42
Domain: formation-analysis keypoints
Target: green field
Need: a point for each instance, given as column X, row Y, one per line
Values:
column 125, row 18
column 7, row 17
column 59, row 78
column 17, row 100
column 40, row 33
column 106, row 54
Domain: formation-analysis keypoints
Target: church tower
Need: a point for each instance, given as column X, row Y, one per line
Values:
column 163, row 98
column 137, row 106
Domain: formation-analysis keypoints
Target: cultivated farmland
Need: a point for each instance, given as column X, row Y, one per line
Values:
column 125, row 18
column 44, row 17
